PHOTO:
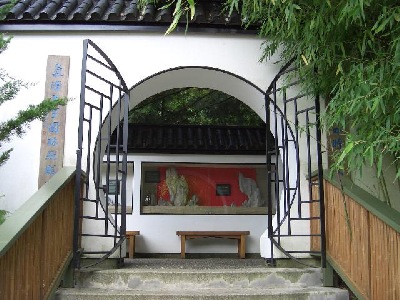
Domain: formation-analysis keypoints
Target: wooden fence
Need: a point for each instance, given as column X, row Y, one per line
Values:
column 363, row 241
column 36, row 241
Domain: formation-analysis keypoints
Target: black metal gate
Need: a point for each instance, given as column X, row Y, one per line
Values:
column 298, row 158
column 295, row 158
column 100, row 208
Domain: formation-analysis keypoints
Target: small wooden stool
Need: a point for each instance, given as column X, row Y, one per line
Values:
column 130, row 236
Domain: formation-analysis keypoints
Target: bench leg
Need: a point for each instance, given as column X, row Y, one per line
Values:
column 242, row 246
column 183, row 246
column 131, row 246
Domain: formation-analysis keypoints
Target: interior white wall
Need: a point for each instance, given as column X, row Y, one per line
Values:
column 158, row 232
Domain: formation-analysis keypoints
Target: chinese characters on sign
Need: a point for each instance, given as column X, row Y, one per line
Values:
column 53, row 128
column 336, row 140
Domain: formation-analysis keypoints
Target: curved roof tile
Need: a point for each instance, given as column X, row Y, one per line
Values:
column 49, row 10
column 67, row 7
column 34, row 9
column 98, row 11
column 81, row 12
column 131, row 12
column 115, row 11
column 199, row 16
column 148, row 13
column 164, row 15
column 18, row 9
column 200, row 139
column 208, row 13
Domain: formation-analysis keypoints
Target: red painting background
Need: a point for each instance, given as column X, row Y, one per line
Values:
column 203, row 181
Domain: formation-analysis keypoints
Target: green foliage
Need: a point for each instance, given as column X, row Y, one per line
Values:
column 3, row 215
column 194, row 106
column 4, row 40
column 9, row 88
column 17, row 125
column 182, row 8
column 355, row 47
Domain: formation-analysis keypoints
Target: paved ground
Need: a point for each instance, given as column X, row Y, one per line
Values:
column 198, row 263
column 206, row 263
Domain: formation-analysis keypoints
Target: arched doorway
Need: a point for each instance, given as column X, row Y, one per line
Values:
column 215, row 79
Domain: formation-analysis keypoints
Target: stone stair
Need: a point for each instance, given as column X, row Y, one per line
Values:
column 199, row 282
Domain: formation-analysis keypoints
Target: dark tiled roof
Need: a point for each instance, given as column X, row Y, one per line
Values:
column 208, row 13
column 179, row 139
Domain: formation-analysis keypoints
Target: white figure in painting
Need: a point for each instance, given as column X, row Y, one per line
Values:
column 177, row 187
column 249, row 187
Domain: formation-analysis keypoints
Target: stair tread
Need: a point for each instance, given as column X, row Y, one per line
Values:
column 201, row 271
column 199, row 284
column 210, row 291
column 199, row 278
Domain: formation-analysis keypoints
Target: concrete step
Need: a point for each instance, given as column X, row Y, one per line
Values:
column 309, row 293
column 171, row 278
column 200, row 279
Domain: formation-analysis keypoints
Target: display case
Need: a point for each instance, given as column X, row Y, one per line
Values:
column 198, row 189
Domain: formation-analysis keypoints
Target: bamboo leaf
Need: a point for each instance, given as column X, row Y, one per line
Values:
column 379, row 27
column 329, row 3
column 296, row 6
column 349, row 146
column 234, row 4
column 397, row 53
column 192, row 8
column 177, row 8
column 339, row 68
column 174, row 23
column 379, row 165
column 166, row 5
column 371, row 156
column 304, row 59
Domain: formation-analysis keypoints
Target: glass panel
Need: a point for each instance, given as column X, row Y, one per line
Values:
column 190, row 188
column 113, row 189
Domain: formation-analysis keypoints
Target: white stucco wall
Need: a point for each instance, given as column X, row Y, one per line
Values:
column 137, row 57
column 368, row 181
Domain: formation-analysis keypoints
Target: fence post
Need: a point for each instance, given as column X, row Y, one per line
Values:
column 328, row 275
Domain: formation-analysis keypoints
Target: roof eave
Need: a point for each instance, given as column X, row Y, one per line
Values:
column 10, row 26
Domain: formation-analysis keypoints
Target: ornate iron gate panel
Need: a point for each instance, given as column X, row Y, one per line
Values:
column 297, row 134
column 100, row 209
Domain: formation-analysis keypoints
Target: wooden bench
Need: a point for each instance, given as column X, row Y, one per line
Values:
column 130, row 236
column 240, row 236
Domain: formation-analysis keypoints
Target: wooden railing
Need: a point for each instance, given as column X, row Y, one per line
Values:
column 363, row 240
column 36, row 241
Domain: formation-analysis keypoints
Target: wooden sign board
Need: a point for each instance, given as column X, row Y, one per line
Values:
column 53, row 127
column 336, row 142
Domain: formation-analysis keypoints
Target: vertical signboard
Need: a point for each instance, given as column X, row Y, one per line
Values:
column 336, row 141
column 53, row 128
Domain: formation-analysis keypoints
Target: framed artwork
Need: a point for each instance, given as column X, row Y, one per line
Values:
column 223, row 190
column 152, row 176
column 113, row 187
